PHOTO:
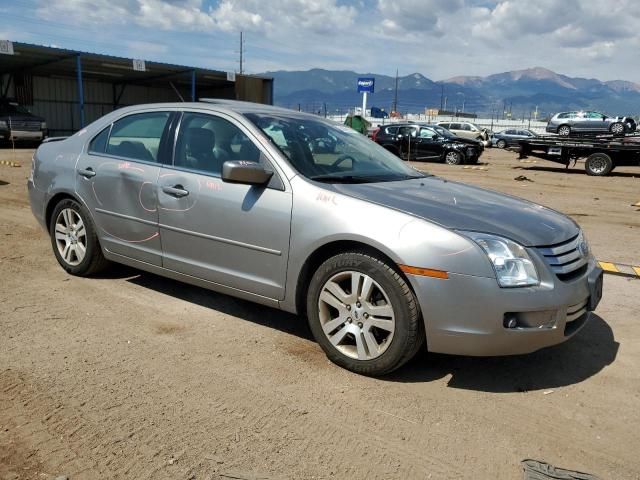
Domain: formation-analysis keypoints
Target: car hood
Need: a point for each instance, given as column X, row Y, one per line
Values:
column 463, row 207
column 466, row 141
column 20, row 117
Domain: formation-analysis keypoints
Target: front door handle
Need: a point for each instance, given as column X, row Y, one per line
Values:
column 87, row 172
column 177, row 191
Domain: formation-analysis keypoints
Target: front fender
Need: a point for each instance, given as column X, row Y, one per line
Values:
column 321, row 216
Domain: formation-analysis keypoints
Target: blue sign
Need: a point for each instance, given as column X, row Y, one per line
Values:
column 366, row 84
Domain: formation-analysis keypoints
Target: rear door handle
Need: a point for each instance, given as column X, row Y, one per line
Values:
column 177, row 191
column 87, row 172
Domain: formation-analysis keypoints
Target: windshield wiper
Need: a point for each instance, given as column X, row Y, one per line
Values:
column 331, row 178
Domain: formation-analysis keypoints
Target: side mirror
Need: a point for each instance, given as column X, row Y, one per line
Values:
column 242, row 171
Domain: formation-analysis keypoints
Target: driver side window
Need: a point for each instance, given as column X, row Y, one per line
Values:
column 205, row 142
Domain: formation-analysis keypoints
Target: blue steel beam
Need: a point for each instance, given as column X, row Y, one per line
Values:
column 193, row 85
column 80, row 90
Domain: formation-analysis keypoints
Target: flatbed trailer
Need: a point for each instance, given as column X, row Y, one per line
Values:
column 602, row 153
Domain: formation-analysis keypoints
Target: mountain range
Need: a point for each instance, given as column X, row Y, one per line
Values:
column 519, row 92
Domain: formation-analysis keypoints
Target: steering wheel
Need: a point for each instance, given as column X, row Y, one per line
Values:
column 342, row 158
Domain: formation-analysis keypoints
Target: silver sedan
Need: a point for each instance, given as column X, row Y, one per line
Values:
column 298, row 213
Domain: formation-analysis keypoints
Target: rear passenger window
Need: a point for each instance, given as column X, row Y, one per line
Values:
column 138, row 136
column 99, row 142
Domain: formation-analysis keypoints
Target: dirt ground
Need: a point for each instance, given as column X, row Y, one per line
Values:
column 130, row 375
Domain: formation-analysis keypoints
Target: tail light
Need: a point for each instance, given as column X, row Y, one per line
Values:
column 374, row 134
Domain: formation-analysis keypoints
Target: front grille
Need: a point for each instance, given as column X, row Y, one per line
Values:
column 25, row 125
column 565, row 259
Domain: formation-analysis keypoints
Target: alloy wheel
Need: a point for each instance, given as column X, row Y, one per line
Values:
column 452, row 158
column 71, row 237
column 617, row 128
column 356, row 315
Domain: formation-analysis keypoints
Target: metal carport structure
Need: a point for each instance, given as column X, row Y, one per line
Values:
column 71, row 88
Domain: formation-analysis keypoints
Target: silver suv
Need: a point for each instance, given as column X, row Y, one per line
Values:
column 566, row 123
column 466, row 130
column 295, row 212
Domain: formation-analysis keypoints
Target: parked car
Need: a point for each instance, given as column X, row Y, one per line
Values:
column 566, row 123
column 428, row 142
column 18, row 124
column 466, row 130
column 510, row 137
column 379, row 256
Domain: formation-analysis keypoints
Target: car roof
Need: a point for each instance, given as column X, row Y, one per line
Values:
column 223, row 105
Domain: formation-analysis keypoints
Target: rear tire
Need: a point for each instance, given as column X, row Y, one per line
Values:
column 598, row 164
column 564, row 130
column 372, row 331
column 501, row 144
column 74, row 240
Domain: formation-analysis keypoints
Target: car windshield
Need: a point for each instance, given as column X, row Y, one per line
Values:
column 331, row 153
column 443, row 132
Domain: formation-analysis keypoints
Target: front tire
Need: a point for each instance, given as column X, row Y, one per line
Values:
column 74, row 240
column 452, row 158
column 363, row 314
column 617, row 128
column 501, row 144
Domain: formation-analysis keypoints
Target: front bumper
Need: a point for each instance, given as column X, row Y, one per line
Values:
column 465, row 315
column 26, row 135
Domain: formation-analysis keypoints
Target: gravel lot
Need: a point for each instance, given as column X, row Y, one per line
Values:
column 130, row 375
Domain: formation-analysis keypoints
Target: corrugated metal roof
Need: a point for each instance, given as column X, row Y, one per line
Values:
column 54, row 61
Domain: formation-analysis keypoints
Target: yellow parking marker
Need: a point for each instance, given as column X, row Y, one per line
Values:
column 632, row 271
column 528, row 161
column 468, row 167
column 9, row 163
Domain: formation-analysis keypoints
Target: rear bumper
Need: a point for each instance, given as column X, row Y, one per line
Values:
column 37, row 199
column 465, row 315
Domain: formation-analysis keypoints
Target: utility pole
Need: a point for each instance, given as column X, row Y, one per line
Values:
column 241, row 51
column 441, row 97
column 395, row 95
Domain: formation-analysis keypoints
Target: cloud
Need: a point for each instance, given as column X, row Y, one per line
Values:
column 308, row 16
column 415, row 16
column 436, row 37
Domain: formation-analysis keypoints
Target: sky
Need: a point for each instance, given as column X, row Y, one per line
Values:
column 438, row 38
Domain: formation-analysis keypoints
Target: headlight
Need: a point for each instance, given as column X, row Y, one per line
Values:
column 43, row 125
column 3, row 124
column 583, row 245
column 511, row 262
